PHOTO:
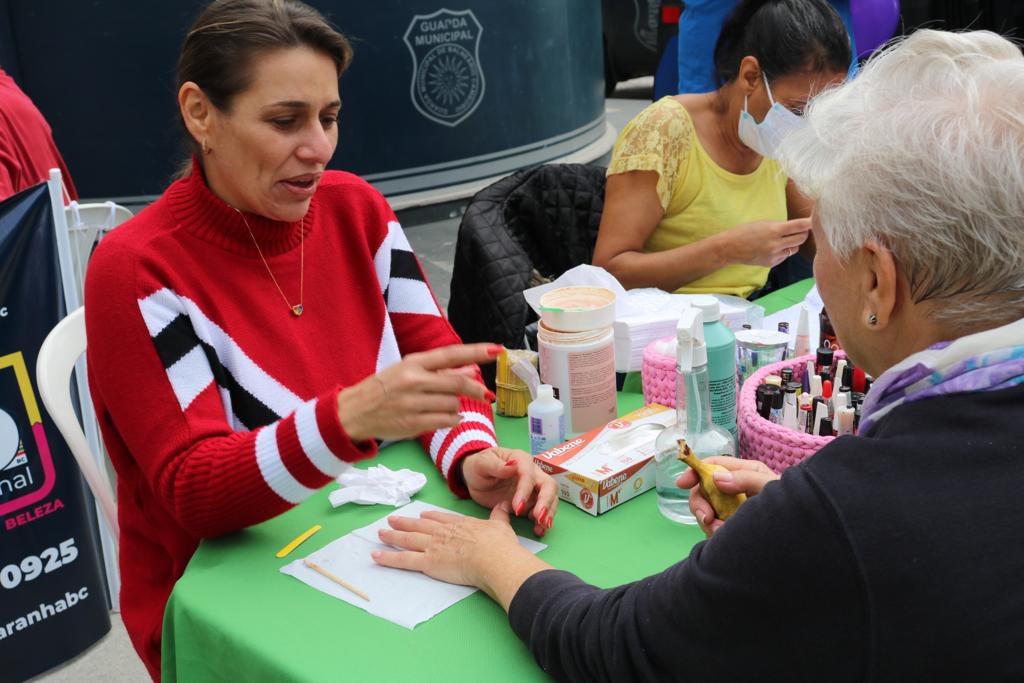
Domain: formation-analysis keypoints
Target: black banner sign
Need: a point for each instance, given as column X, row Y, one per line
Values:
column 53, row 601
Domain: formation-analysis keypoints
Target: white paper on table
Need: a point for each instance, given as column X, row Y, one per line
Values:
column 791, row 315
column 656, row 314
column 651, row 307
column 813, row 298
column 406, row 598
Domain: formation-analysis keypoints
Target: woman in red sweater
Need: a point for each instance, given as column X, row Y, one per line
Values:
column 266, row 321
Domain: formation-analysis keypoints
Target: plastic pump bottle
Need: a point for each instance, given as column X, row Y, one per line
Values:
column 546, row 415
column 721, row 352
column 693, row 420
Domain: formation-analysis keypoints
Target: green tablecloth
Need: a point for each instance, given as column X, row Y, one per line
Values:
column 786, row 297
column 234, row 616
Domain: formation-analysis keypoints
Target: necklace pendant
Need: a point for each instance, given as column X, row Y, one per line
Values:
column 297, row 310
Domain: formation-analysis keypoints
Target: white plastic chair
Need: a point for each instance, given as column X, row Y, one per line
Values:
column 87, row 225
column 57, row 357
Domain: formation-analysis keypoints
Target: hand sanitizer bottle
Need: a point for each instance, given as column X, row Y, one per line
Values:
column 547, row 420
column 693, row 420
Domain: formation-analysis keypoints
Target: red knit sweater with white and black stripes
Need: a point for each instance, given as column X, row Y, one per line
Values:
column 218, row 407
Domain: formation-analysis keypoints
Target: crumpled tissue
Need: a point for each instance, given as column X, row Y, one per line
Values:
column 377, row 485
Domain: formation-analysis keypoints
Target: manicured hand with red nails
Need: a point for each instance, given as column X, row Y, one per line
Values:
column 497, row 475
column 417, row 395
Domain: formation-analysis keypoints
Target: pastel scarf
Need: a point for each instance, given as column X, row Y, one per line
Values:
column 986, row 361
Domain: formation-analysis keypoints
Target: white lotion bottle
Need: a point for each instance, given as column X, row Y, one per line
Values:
column 546, row 416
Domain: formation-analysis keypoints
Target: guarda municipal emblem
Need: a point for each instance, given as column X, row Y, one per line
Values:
column 447, row 81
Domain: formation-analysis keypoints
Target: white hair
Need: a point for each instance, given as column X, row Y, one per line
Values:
column 924, row 152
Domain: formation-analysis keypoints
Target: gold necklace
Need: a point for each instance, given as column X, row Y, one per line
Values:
column 297, row 308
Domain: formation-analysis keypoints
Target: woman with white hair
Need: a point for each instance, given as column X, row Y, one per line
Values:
column 894, row 555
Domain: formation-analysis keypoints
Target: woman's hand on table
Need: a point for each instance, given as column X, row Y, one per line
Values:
column 419, row 394
column 502, row 475
column 461, row 550
column 767, row 243
column 744, row 476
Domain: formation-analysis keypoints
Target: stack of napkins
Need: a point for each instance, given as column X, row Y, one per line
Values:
column 655, row 313
column 406, row 598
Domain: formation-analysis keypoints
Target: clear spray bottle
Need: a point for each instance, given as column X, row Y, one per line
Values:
column 693, row 420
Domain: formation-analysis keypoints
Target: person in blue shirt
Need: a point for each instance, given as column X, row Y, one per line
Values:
column 699, row 26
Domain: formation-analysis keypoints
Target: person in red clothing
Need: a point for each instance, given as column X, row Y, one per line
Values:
column 27, row 150
column 265, row 321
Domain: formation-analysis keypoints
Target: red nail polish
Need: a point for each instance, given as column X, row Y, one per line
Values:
column 551, row 522
column 490, row 396
column 512, row 463
column 495, row 350
column 519, row 509
column 543, row 513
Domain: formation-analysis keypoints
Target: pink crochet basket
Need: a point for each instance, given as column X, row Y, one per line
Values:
column 658, row 373
column 772, row 444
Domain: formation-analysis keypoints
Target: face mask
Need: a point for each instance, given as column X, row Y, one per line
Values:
column 765, row 137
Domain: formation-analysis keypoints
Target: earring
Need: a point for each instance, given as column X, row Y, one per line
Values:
column 206, row 147
column 872, row 319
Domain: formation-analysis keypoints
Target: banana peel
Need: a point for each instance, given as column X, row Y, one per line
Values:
column 725, row 504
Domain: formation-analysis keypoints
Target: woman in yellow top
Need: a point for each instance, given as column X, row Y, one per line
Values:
column 694, row 201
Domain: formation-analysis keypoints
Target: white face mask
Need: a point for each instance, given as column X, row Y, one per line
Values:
column 765, row 137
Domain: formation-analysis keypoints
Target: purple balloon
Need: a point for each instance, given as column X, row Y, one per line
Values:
column 874, row 22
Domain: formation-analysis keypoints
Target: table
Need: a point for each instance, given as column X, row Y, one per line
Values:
column 787, row 296
column 234, row 616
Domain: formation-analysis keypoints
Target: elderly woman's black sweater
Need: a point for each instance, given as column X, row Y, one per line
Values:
column 895, row 556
